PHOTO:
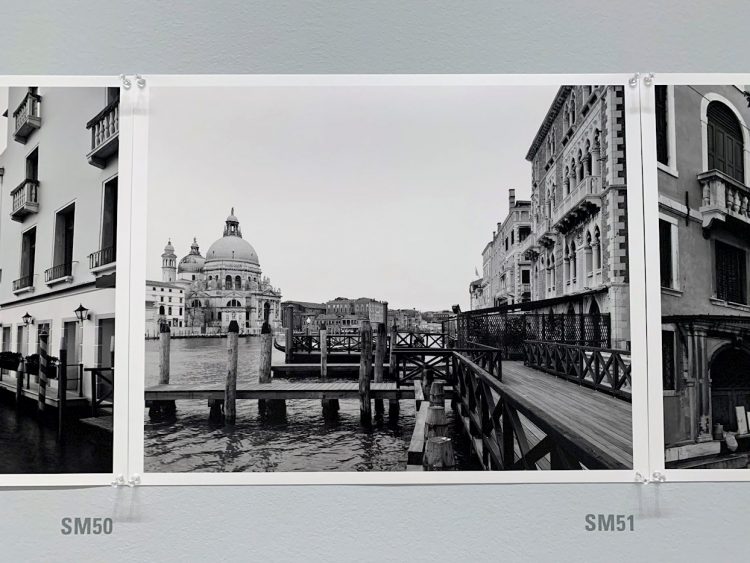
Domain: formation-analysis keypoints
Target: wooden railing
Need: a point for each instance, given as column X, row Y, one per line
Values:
column 491, row 413
column 411, row 363
column 99, row 395
column 604, row 369
column 410, row 339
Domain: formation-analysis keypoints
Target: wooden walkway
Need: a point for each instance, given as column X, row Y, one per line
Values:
column 277, row 390
column 73, row 400
column 312, row 370
column 601, row 422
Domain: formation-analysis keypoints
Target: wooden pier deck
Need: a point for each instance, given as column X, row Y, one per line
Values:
column 313, row 370
column 73, row 400
column 277, row 390
column 598, row 423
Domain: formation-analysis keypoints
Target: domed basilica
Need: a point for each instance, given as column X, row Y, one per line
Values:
column 224, row 286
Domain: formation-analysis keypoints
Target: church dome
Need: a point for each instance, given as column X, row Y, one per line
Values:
column 193, row 262
column 232, row 246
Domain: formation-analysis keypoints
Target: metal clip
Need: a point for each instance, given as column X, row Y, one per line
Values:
column 648, row 80
column 119, row 481
column 125, row 82
column 641, row 479
column 134, row 480
column 658, row 477
column 140, row 81
column 633, row 81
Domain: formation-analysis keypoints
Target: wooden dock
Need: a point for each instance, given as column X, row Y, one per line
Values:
column 73, row 400
column 312, row 370
column 277, row 390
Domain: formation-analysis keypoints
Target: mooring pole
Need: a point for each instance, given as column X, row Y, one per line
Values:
column 62, row 388
column 43, row 359
column 380, row 344
column 330, row 406
column 230, row 391
column 365, row 373
column 393, row 405
column 289, row 346
column 163, row 407
column 438, row 454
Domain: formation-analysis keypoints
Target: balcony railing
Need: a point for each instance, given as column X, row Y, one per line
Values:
column 102, row 258
column 58, row 273
column 28, row 116
column 547, row 233
column 23, row 283
column 105, row 130
column 25, row 199
column 723, row 198
column 577, row 203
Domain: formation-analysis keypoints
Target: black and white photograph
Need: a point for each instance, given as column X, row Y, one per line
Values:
column 387, row 277
column 703, row 159
column 58, row 229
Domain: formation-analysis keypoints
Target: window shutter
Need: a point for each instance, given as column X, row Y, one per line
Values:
column 725, row 145
column 662, row 152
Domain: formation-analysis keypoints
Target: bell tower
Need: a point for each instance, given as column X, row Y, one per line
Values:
column 168, row 263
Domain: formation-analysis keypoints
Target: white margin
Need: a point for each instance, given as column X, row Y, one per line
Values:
column 120, row 420
column 653, row 281
column 137, row 290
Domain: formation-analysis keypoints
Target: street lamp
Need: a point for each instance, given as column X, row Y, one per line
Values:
column 27, row 319
column 308, row 321
column 82, row 313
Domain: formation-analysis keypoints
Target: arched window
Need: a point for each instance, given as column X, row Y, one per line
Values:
column 161, row 309
column 724, row 141
column 587, row 254
column 573, row 268
column 579, row 172
column 597, row 250
column 195, row 303
column 228, row 282
column 233, row 303
column 237, row 282
column 572, row 108
column 266, row 310
column 567, row 180
column 587, row 159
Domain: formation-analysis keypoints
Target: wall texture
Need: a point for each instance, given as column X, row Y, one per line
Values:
column 510, row 522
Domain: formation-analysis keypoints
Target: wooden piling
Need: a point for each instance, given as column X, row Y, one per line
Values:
column 393, row 405
column 289, row 345
column 62, row 388
column 266, row 349
column 330, row 406
column 230, row 391
column 165, row 408
column 438, row 454
column 436, row 423
column 381, row 338
column 365, row 372
column 428, row 376
column 437, row 394
column 19, row 381
column 43, row 361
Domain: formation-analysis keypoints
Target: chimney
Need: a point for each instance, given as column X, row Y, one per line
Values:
column 511, row 197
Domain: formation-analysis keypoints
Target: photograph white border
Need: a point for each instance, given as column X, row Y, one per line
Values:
column 637, row 287
column 653, row 282
column 121, row 391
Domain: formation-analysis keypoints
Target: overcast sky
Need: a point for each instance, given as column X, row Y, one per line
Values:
column 388, row 192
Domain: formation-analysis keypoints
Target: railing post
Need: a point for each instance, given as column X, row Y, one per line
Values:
column 508, row 442
column 19, row 381
column 62, row 387
column 230, row 390
column 94, row 391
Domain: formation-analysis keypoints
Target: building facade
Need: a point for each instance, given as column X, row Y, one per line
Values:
column 58, row 223
column 703, row 153
column 224, row 286
column 301, row 312
column 166, row 301
column 569, row 254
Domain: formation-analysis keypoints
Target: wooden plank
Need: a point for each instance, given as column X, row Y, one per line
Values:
column 416, row 445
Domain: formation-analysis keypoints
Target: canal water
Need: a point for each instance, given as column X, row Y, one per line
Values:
column 29, row 443
column 304, row 441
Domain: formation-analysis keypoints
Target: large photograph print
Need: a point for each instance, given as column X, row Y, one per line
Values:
column 58, row 228
column 703, row 155
column 390, row 277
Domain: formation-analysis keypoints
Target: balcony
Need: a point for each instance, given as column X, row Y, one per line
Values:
column 28, row 117
column 23, row 284
column 58, row 274
column 548, row 234
column 25, row 200
column 578, row 204
column 105, row 134
column 529, row 248
column 102, row 260
column 725, row 200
